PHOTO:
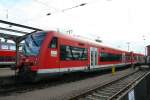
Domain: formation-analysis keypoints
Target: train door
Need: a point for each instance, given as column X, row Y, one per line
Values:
column 53, row 57
column 123, row 58
column 93, row 57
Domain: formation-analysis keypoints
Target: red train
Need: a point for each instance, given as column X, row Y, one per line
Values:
column 52, row 52
column 7, row 54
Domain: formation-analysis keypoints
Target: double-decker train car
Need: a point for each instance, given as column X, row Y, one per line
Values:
column 7, row 54
column 49, row 53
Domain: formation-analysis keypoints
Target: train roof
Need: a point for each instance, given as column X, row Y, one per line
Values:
column 78, row 39
column 139, row 54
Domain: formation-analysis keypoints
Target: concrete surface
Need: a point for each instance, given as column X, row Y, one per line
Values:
column 63, row 91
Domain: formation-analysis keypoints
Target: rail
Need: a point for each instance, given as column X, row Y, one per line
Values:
column 112, row 90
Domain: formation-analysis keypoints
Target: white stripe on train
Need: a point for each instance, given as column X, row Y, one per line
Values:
column 57, row 70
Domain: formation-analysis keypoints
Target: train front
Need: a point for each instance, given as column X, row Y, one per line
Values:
column 29, row 59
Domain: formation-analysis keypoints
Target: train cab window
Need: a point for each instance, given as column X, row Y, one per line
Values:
column 53, row 43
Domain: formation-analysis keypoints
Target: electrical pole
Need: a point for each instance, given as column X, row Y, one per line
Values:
column 128, row 43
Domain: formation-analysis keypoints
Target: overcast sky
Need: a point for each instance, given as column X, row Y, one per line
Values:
column 115, row 22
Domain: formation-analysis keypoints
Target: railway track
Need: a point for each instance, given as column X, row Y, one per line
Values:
column 8, row 85
column 112, row 90
column 7, row 90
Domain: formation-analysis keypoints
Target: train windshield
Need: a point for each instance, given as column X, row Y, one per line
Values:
column 33, row 43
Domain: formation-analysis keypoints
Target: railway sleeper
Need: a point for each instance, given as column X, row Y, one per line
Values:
column 90, row 97
column 104, row 90
column 104, row 93
column 99, row 95
column 119, row 84
column 116, row 88
column 111, row 89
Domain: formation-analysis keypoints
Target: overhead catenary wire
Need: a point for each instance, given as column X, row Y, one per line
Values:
column 57, row 10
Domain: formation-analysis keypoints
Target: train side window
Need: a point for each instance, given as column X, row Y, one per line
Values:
column 53, row 43
column 110, row 57
column 73, row 53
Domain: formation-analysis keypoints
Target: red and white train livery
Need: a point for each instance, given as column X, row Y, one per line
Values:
column 7, row 54
column 52, row 52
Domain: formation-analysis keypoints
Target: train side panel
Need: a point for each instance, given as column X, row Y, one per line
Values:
column 61, row 53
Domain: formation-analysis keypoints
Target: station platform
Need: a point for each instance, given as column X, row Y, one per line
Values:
column 5, row 72
column 65, row 90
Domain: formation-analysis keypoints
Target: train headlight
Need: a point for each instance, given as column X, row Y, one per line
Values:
column 36, row 61
column 26, row 60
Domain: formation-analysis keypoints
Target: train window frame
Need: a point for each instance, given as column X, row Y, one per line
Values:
column 54, row 43
column 71, row 53
column 105, row 57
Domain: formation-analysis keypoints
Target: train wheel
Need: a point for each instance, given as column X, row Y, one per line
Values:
column 26, row 75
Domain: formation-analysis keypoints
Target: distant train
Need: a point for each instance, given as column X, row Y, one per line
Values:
column 7, row 54
column 147, row 61
column 50, row 53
